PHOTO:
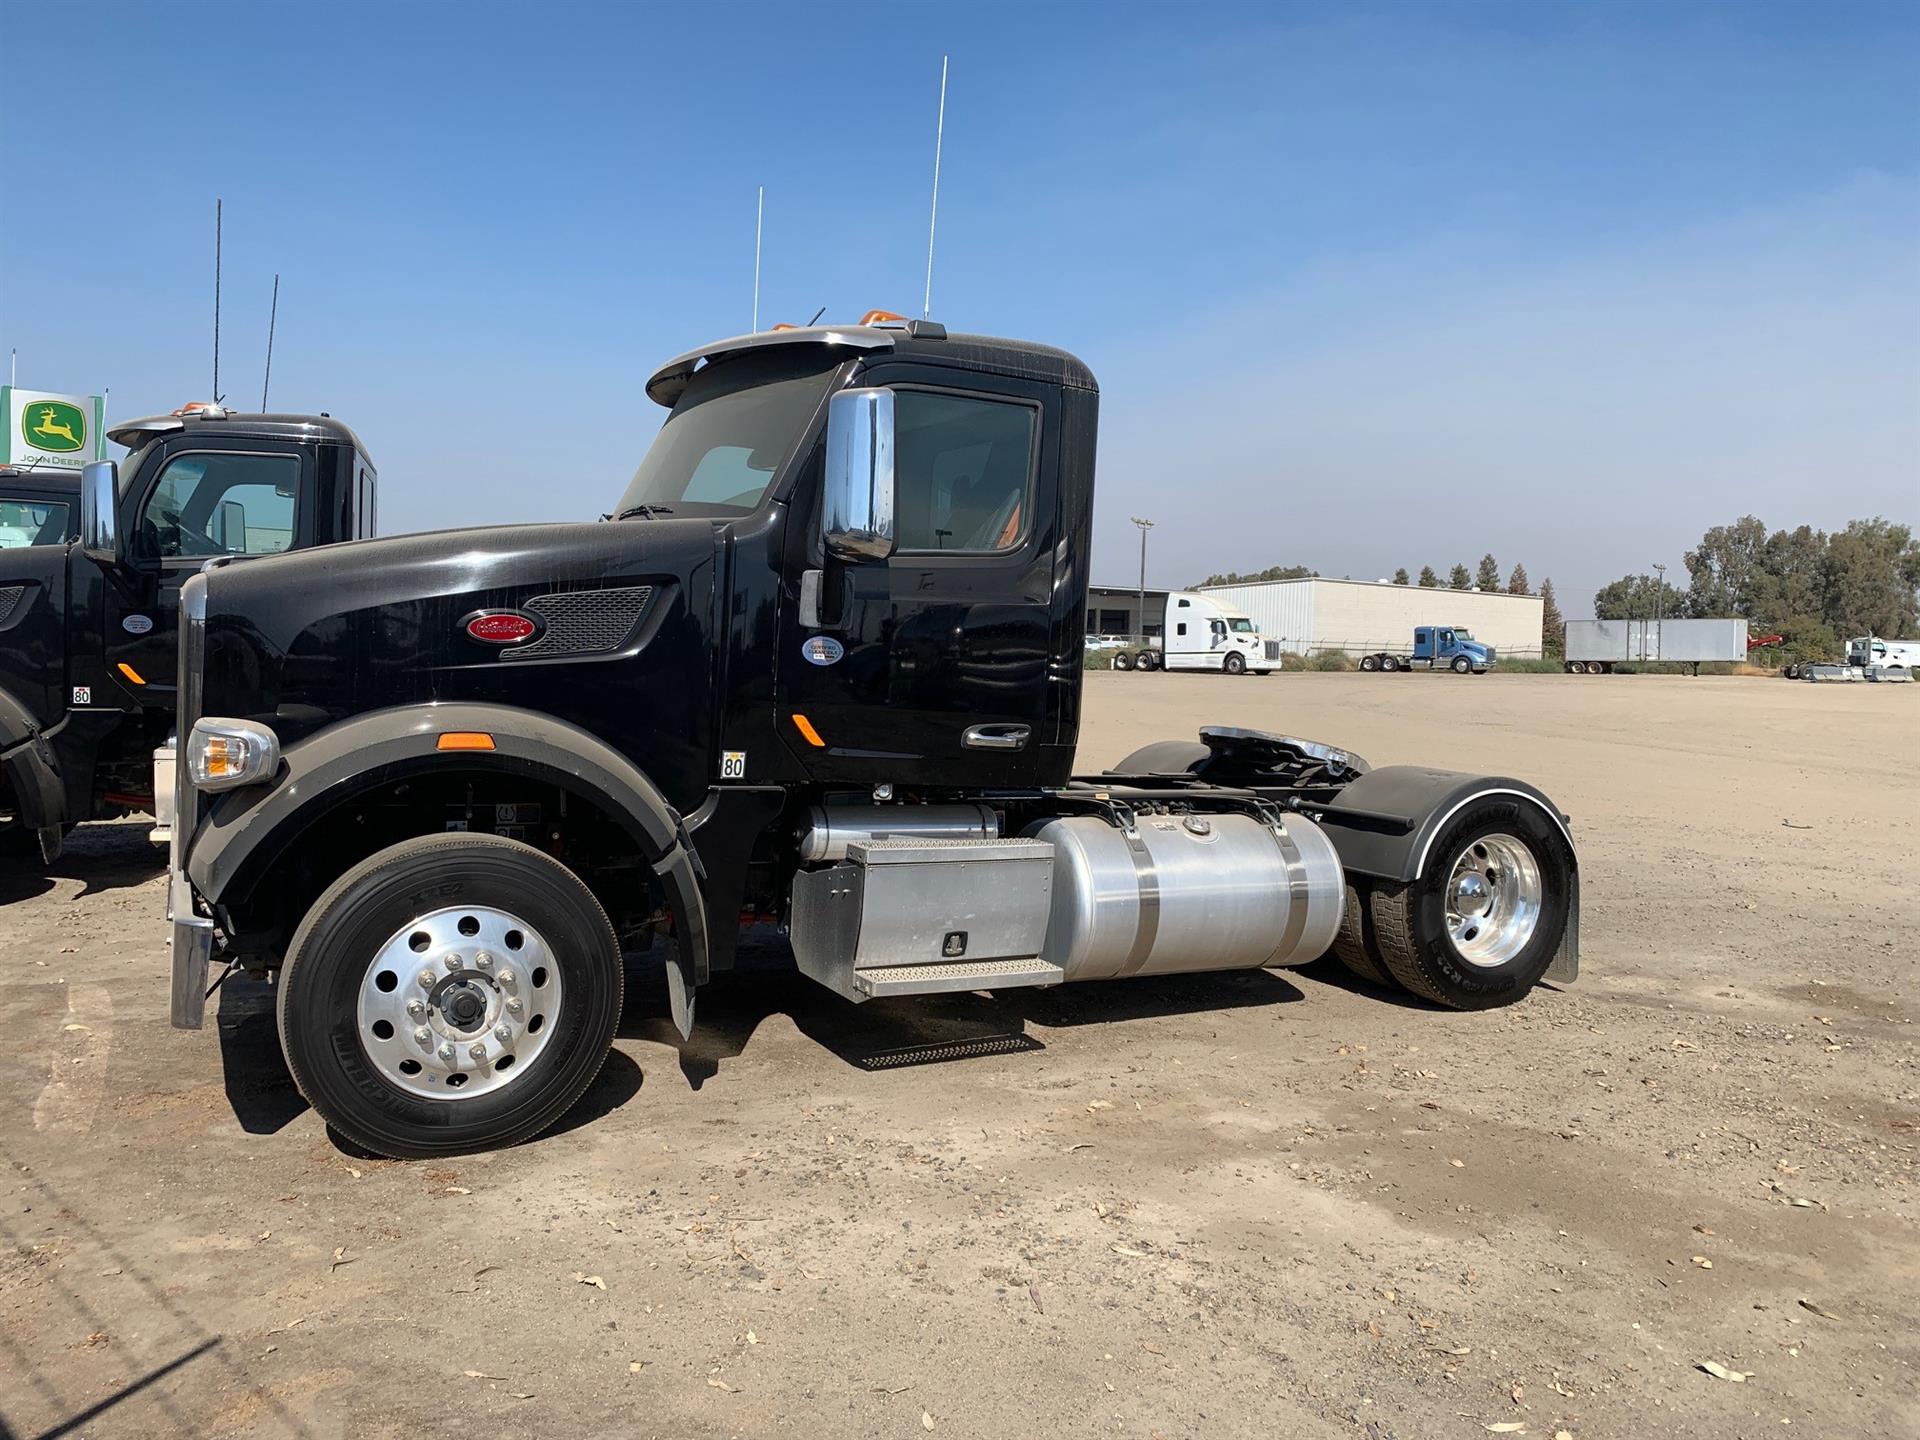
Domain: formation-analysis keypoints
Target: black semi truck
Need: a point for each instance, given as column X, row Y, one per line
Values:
column 89, row 634
column 823, row 667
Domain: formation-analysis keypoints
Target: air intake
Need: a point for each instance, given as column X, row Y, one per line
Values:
column 582, row 622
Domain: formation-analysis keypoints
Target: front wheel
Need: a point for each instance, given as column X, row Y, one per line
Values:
column 1461, row 665
column 1483, row 922
column 450, row 993
column 1235, row 664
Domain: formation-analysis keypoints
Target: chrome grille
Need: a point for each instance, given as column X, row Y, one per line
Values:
column 582, row 622
column 9, row 598
column 1273, row 649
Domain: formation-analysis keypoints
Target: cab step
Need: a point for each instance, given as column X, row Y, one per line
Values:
column 947, row 977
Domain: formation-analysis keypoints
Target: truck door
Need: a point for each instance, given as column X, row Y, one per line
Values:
column 937, row 671
column 194, row 503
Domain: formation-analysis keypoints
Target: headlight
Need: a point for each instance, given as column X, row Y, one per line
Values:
column 226, row 754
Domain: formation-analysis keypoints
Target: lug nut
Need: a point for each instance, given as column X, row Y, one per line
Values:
column 428, row 979
column 417, row 1007
column 483, row 961
column 507, row 977
column 422, row 1035
column 452, row 960
column 513, row 1004
column 446, row 1051
column 477, row 1050
column 502, row 1033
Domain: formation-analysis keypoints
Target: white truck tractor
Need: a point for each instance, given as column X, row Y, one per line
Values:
column 1202, row 634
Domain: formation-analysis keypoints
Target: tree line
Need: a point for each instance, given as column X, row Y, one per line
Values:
column 1815, row 589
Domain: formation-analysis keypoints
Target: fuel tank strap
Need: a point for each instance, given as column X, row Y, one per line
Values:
column 1147, row 878
column 1296, row 889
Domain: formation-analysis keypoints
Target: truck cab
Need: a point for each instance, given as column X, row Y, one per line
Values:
column 1450, row 647
column 1868, row 651
column 1203, row 634
column 38, row 506
column 89, row 634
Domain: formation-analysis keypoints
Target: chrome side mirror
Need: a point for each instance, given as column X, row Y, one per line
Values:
column 99, row 518
column 856, row 512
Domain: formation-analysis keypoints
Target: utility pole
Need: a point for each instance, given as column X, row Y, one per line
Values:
column 1145, row 525
column 1659, row 600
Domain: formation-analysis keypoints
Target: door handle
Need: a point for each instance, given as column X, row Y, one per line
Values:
column 996, row 737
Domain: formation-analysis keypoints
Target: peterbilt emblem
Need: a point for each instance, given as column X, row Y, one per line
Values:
column 500, row 627
column 822, row 649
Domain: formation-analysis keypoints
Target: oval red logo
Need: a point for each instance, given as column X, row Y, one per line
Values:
column 501, row 629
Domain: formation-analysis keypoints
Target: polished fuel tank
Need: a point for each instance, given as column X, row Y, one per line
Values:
column 1188, row 893
column 831, row 828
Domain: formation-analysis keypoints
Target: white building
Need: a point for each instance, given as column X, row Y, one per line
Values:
column 1360, row 616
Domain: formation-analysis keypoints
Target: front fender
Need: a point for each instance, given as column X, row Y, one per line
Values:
column 32, row 771
column 246, row 831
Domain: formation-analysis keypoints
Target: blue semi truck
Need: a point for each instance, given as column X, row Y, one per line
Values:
column 1436, row 647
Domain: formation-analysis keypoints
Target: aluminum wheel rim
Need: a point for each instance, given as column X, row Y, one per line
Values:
column 459, row 1003
column 1493, row 896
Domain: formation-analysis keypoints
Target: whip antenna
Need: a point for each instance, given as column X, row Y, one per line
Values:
column 933, row 219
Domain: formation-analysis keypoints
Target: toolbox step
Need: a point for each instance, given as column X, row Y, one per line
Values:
column 945, row 977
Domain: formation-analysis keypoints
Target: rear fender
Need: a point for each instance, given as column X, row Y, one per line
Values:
column 1384, row 824
column 246, row 831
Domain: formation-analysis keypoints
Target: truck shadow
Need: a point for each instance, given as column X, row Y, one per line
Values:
column 100, row 857
column 912, row 1030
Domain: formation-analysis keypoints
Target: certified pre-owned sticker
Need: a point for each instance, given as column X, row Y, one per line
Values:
column 822, row 649
column 137, row 624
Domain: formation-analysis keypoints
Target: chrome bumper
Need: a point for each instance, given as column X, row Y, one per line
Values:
column 192, row 956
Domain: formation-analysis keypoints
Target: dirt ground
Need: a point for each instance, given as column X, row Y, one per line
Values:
column 1248, row 1205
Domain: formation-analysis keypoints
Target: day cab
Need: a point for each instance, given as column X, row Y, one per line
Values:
column 822, row 669
column 89, row 632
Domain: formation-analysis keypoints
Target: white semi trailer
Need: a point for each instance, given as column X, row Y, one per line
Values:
column 1594, row 647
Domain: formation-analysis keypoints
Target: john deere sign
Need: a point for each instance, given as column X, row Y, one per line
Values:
column 54, row 431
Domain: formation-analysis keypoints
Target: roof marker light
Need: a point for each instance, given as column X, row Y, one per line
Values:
column 464, row 740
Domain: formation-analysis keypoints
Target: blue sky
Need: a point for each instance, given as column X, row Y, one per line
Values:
column 1365, row 285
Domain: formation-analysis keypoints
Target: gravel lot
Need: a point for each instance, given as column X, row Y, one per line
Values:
column 1261, row 1205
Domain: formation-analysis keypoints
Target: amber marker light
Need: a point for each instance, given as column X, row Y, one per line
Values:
column 807, row 732
column 464, row 740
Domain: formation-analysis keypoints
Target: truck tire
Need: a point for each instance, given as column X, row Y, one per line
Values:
column 1462, row 665
column 1235, row 664
column 1355, row 946
column 1389, row 663
column 1482, row 924
column 1369, row 662
column 492, row 951
column 1163, row 757
column 1122, row 660
column 1147, row 660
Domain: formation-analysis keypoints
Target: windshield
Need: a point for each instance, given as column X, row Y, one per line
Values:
column 1240, row 625
column 726, row 438
column 32, row 522
column 1463, row 635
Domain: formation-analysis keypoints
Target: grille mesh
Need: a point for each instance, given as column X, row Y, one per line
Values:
column 9, row 598
column 582, row 622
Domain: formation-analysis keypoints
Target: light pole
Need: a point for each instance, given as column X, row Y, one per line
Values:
column 1145, row 525
column 1659, row 600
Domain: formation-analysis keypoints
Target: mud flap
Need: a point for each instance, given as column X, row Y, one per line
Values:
column 34, row 780
column 687, row 966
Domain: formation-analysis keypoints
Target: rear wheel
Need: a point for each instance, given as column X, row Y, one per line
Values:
column 1123, row 660
column 1235, row 664
column 1355, row 946
column 1388, row 662
column 1148, row 660
column 1369, row 662
column 1481, row 925
column 451, row 993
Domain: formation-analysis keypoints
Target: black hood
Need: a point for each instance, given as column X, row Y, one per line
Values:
column 298, row 640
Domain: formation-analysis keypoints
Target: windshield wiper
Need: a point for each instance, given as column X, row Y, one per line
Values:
column 647, row 511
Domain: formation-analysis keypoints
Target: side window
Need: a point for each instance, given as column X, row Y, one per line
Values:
column 1185, row 603
column 963, row 472
column 1181, row 628
column 208, row 505
column 1219, row 628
